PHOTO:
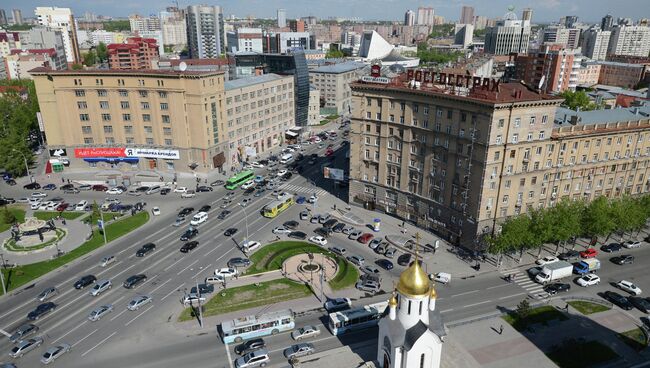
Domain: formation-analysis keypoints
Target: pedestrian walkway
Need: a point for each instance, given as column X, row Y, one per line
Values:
column 299, row 189
column 522, row 279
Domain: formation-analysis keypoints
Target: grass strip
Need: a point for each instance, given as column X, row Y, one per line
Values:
column 587, row 308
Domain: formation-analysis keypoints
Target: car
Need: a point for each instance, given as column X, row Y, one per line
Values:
column 134, row 192
column 249, row 246
column 324, row 218
column 385, row 264
column 186, row 211
column 404, row 259
column 304, row 215
column 337, row 304
column 257, row 358
column 534, row 271
column 245, row 202
column 390, row 252
column 305, row 332
column 85, row 187
column 338, row 250
column 645, row 321
column 180, row 220
column 32, row 186
column 47, row 293
column 205, row 208
column 66, row 186
column 370, row 270
column 165, row 190
column 312, row 199
column 99, row 312
column 589, row 253
column 199, row 218
column 623, row 259
column 365, row 238
column 225, row 272
column 369, row 286
column 187, row 247
column 145, row 249
column 282, row 172
column 54, row 352
column 618, row 299
column 256, row 165
column 39, row 195
column 189, row 234
column 23, row 331
column 114, row 190
column 291, row 224
column 203, row 289
column 84, row 281
column 441, row 277
column 632, row 244
column 81, row 206
column 629, row 287
column 99, row 188
column 188, row 194
column 180, row 190
column 374, row 243
column 612, row 247
column 338, row 227
column 134, row 281
column 239, row 262
column 41, row 310
column 25, row 346
column 138, row 302
column 192, row 298
column 357, row 260
column 250, row 345
column 224, row 214
column 298, row 350
column 11, row 182
column 641, row 304
column 155, row 211
column 101, row 286
column 557, row 287
column 49, row 186
column 297, row 235
column 247, row 185
column 546, row 260
column 314, row 219
column 588, row 280
column 354, row 234
column 225, row 203
column 318, row 240
column 203, row 189
column 217, row 183
column 230, row 231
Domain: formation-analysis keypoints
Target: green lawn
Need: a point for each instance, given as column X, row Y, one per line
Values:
column 250, row 296
column 108, row 216
column 271, row 256
column 11, row 243
column 15, row 277
column 47, row 215
column 18, row 212
column 588, row 307
column 576, row 354
column 541, row 315
column 347, row 275
column 634, row 338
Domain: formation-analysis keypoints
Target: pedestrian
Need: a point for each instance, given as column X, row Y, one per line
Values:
column 63, row 221
column 566, row 307
column 48, row 176
column 68, row 181
column 62, row 180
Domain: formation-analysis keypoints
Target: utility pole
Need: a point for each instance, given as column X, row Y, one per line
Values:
column 103, row 227
column 2, row 275
column 198, row 292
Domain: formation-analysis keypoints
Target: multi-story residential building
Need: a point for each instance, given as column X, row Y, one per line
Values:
column 425, row 16
column 205, row 31
column 588, row 74
column 629, row 41
column 3, row 18
column 606, row 23
column 20, row 62
column 313, row 114
column 459, row 164
column 259, row 110
column 466, row 15
column 62, row 19
column 595, row 43
column 101, row 36
column 141, row 24
column 18, row 17
column 136, row 53
column 527, row 14
column 507, row 36
column 567, row 37
column 174, row 29
column 165, row 121
column 549, row 68
column 621, row 74
column 282, row 18
column 9, row 41
column 463, row 34
column 333, row 82
column 297, row 25
column 245, row 39
column 282, row 42
column 409, row 18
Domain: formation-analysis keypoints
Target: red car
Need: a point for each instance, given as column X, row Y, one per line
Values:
column 62, row 207
column 100, row 188
column 365, row 238
column 589, row 253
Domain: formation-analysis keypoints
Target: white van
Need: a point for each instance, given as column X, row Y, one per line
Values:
column 154, row 189
column 81, row 205
column 286, row 158
column 199, row 218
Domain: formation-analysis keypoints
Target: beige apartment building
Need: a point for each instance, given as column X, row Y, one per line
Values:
column 459, row 163
column 333, row 82
column 136, row 121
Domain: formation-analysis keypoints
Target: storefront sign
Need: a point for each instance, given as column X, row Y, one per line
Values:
column 126, row 152
column 458, row 80
column 98, row 152
column 153, row 153
column 59, row 152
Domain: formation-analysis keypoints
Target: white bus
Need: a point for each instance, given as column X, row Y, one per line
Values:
column 286, row 158
column 358, row 318
column 250, row 327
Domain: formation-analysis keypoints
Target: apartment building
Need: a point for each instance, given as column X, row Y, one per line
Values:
column 136, row 53
column 63, row 20
column 595, row 43
column 621, row 74
column 507, row 36
column 550, row 68
column 205, row 31
column 588, row 74
column 333, row 82
column 461, row 163
column 629, row 41
column 135, row 120
column 259, row 110
column 245, row 39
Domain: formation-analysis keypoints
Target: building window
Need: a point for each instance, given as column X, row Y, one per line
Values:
column 126, row 117
column 517, row 122
column 130, row 140
column 148, row 129
column 108, row 129
column 80, row 93
column 102, row 93
column 167, row 131
column 128, row 129
column 88, row 141
column 110, row 140
column 532, row 120
column 368, row 114
column 106, row 117
column 143, row 94
column 501, row 122
column 149, row 141
column 84, row 117
column 168, row 142
column 422, row 361
column 162, row 94
column 515, row 138
column 124, row 93
column 146, row 117
column 164, row 106
column 498, row 139
column 144, row 105
column 391, row 118
column 124, row 104
column 86, row 129
column 82, row 105
column 541, row 135
column 103, row 104
column 165, row 119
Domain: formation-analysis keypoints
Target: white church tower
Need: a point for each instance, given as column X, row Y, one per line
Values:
column 410, row 333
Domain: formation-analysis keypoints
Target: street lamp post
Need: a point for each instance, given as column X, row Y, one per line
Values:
column 2, row 275
column 24, row 158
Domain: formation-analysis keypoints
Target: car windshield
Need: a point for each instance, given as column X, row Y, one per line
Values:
column 47, row 354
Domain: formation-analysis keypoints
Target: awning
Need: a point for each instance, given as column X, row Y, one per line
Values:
column 131, row 160
column 291, row 134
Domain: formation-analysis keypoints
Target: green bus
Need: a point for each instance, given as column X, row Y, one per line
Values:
column 239, row 179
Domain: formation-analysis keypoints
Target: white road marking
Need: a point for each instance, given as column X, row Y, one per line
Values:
column 188, row 266
column 87, row 336
column 99, row 343
column 229, row 357
column 64, row 335
column 204, row 268
column 154, row 234
column 136, row 317
column 447, row 310
column 119, row 314
column 159, row 286
column 170, row 266
column 170, row 293
column 465, row 293
column 475, row 304
column 124, row 270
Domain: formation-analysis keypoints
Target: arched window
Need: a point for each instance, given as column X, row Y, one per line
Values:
column 422, row 361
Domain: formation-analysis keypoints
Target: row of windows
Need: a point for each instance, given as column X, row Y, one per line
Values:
column 82, row 105
column 265, row 91
column 129, row 140
column 128, row 129
column 126, row 117
column 123, row 93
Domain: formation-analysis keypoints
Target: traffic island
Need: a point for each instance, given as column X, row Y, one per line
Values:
column 587, row 308
column 636, row 338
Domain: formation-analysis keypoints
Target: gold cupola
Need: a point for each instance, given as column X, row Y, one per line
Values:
column 414, row 282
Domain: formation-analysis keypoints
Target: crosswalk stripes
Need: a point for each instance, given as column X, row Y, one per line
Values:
column 521, row 278
column 299, row 189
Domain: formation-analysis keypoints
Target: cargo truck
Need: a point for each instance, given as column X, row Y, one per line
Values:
column 554, row 271
column 586, row 266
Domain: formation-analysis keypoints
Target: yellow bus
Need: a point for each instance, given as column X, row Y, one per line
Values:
column 276, row 207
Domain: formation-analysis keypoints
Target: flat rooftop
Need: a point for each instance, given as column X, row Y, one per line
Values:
column 251, row 81
column 338, row 68
column 116, row 72
column 563, row 115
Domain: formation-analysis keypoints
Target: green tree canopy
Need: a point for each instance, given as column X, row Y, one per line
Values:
column 117, row 25
column 102, row 52
column 90, row 58
column 18, row 119
column 578, row 99
column 334, row 54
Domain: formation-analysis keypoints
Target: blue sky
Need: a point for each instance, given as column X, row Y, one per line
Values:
column 545, row 10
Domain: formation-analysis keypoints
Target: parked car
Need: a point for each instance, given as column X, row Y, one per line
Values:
column 25, row 346
column 32, row 186
column 134, row 281
column 305, row 332
column 641, row 304
column 588, row 280
column 365, row 238
column 370, row 270
column 203, row 188
column 189, row 246
column 338, row 250
column 257, row 358
column 54, row 352
column 99, row 312
column 188, row 194
column 557, row 287
column 49, row 186
column 281, row 230
column 217, row 183
column 318, row 240
column 338, row 227
column 239, row 262
column 250, row 345
column 337, row 304
column 23, row 331
column 632, row 244
column 546, row 260
column 41, row 310
column 385, row 264
column 99, row 188
column 84, row 281
column 404, row 259
column 369, row 286
column 138, row 302
column 623, row 259
column 612, row 247
column 441, row 277
column 390, row 252
column 357, row 260
column 589, row 253
column 354, row 234
column 628, row 286
column 618, row 299
column 297, row 235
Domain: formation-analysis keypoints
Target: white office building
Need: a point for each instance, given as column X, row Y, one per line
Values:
column 595, row 43
column 62, row 19
column 629, row 41
column 508, row 35
column 205, row 31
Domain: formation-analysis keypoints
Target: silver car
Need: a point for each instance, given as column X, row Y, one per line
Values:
column 54, row 352
column 47, row 294
column 305, row 332
column 25, row 346
column 138, row 302
column 354, row 234
column 99, row 312
column 100, row 287
column 299, row 350
column 23, row 331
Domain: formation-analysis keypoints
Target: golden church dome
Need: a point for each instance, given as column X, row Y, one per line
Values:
column 413, row 281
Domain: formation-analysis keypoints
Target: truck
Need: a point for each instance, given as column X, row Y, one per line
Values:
column 586, row 266
column 554, row 271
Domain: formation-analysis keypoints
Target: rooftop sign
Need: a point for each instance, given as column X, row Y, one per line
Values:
column 457, row 80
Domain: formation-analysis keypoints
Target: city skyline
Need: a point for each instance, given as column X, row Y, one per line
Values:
column 588, row 11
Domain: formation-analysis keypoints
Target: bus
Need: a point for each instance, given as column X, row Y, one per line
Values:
column 274, row 208
column 358, row 318
column 239, row 179
column 250, row 327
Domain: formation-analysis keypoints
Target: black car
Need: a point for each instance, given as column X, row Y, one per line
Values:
column 186, row 211
column 330, row 224
column 325, row 232
column 189, row 246
column 404, row 259
column 287, row 176
column 385, row 264
column 297, row 235
column 203, row 188
column 641, row 304
column 338, row 227
column 249, row 191
column 11, row 182
column 239, row 262
column 230, row 231
column 557, row 287
column 205, row 208
column 32, row 186
column 189, row 234
column 134, row 281
column 223, row 214
column 84, row 281
column 41, row 310
column 618, row 299
column 165, row 191
column 203, row 289
column 291, row 224
column 142, row 189
column 217, row 183
column 249, row 346
column 612, row 247
column 623, row 259
column 147, row 248
column 569, row 255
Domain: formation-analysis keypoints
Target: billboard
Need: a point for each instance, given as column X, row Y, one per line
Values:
column 334, row 174
column 59, row 152
column 94, row 152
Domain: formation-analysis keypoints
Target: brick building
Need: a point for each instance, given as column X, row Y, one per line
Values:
column 136, row 53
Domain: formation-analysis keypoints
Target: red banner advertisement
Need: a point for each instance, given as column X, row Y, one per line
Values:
column 99, row 152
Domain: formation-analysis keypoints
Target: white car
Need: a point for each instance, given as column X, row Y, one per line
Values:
column 192, row 298
column 281, row 230
column 138, row 302
column 250, row 246
column 225, row 272
column 632, row 244
column 282, row 172
column 43, row 205
column 180, row 190
column 156, row 211
column 312, row 199
column 355, row 234
column 629, row 287
column 588, row 280
column 248, row 184
column 99, row 312
column 305, row 332
column 33, row 200
column 52, row 206
column 188, row 194
column 106, row 261
column 39, row 195
column 441, row 277
column 81, row 205
column 199, row 218
column 546, row 260
column 318, row 240
column 114, row 191
column 35, row 205
column 256, row 164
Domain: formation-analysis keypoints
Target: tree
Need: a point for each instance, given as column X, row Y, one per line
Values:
column 427, row 55
column 77, row 67
column 523, row 309
column 90, row 58
column 578, row 99
column 334, row 54
column 8, row 217
column 596, row 220
column 102, row 52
